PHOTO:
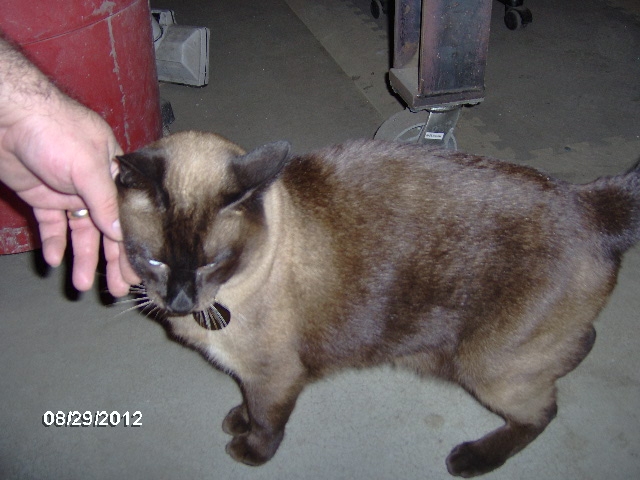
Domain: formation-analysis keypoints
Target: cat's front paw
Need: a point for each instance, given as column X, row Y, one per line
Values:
column 467, row 460
column 237, row 421
column 252, row 449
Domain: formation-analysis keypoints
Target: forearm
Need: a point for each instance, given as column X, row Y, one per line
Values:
column 24, row 89
column 28, row 99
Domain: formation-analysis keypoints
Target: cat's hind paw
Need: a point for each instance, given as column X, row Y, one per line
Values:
column 466, row 460
column 237, row 421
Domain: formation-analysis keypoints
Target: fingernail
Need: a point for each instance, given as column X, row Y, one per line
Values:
column 116, row 228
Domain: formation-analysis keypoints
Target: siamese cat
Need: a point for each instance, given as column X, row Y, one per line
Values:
column 282, row 269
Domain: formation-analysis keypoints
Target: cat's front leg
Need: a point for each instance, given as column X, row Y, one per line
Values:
column 258, row 423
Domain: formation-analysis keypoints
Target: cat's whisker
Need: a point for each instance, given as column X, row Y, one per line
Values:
column 219, row 319
column 143, row 302
column 138, row 293
column 125, row 300
column 222, row 323
column 155, row 310
column 216, row 316
column 130, row 309
column 149, row 313
column 139, row 288
column 205, row 316
column 210, row 318
column 211, row 323
column 139, row 304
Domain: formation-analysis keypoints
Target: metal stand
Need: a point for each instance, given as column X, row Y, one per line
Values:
column 434, row 126
column 440, row 52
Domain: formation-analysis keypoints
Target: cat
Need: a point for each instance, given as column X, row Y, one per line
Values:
column 282, row 269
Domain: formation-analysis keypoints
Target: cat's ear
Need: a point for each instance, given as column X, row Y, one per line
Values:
column 140, row 169
column 261, row 166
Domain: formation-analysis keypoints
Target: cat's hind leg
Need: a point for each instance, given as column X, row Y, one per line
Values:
column 523, row 393
column 491, row 451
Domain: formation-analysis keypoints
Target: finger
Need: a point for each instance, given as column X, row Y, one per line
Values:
column 43, row 197
column 97, row 188
column 52, row 225
column 125, row 267
column 115, row 166
column 100, row 195
column 117, row 286
column 117, row 282
column 85, row 242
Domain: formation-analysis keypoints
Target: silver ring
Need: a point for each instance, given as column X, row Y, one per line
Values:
column 82, row 213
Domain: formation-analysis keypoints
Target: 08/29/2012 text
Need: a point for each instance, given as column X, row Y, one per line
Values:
column 99, row 418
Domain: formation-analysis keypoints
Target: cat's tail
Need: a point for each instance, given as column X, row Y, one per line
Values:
column 614, row 206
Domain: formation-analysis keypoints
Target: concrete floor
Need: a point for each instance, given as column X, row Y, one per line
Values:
column 562, row 95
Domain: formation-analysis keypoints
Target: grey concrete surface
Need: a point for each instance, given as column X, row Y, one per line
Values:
column 562, row 95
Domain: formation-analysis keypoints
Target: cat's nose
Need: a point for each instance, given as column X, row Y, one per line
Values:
column 181, row 303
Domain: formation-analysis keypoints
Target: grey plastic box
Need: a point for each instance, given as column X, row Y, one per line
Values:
column 182, row 55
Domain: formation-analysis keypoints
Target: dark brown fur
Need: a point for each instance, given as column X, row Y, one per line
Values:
column 480, row 272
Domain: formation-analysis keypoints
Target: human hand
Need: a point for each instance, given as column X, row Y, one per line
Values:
column 58, row 156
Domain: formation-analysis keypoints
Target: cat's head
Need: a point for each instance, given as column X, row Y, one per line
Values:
column 191, row 212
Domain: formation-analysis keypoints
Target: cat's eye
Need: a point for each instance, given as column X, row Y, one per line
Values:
column 206, row 270
column 208, row 267
column 155, row 263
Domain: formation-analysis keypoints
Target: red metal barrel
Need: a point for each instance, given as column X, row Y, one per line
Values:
column 99, row 52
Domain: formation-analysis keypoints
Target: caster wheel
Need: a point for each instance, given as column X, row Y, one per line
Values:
column 512, row 19
column 517, row 17
column 410, row 127
column 404, row 127
column 376, row 8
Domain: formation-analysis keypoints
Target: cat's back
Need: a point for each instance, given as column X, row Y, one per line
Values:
column 401, row 179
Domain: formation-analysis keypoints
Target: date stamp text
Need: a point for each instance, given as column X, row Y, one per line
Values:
column 98, row 418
